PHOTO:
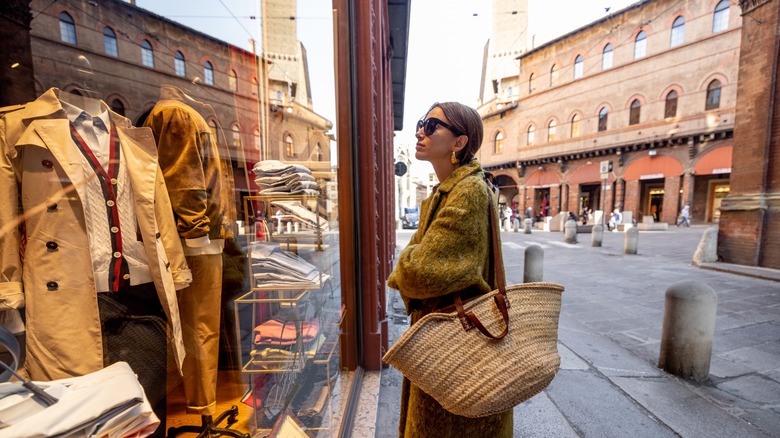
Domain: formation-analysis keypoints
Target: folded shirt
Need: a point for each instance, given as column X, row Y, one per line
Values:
column 275, row 332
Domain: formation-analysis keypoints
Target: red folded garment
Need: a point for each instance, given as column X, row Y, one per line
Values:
column 275, row 332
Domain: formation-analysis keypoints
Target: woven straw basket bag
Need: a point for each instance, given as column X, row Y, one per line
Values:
column 472, row 375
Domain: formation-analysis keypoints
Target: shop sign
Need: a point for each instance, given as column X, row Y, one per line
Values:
column 721, row 170
column 652, row 176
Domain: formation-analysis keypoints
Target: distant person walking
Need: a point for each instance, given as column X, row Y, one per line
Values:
column 684, row 216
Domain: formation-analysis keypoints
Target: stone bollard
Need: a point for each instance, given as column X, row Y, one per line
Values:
column 597, row 235
column 570, row 231
column 707, row 251
column 688, row 329
column 533, row 270
column 527, row 226
column 516, row 225
column 632, row 241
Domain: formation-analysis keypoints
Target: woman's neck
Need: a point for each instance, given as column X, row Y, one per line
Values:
column 443, row 170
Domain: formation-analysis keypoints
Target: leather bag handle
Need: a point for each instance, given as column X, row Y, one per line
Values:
column 469, row 320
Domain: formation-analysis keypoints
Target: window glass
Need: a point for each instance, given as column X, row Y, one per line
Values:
column 109, row 42
column 236, row 136
column 529, row 137
column 552, row 127
column 553, row 74
column 713, row 95
column 603, row 113
column 670, row 109
column 147, row 54
column 636, row 109
column 720, row 19
column 606, row 57
column 67, row 28
column 579, row 67
column 289, row 146
column 118, row 107
column 640, row 45
column 232, row 81
column 531, row 83
column 208, row 73
column 179, row 65
column 498, row 143
column 678, row 32
column 575, row 125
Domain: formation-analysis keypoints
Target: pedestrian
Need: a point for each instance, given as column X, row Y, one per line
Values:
column 507, row 218
column 615, row 220
column 684, row 216
column 529, row 213
column 441, row 257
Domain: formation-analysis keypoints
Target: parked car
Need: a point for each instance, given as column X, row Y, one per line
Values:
column 410, row 219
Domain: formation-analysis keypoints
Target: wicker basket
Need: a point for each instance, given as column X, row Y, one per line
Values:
column 473, row 376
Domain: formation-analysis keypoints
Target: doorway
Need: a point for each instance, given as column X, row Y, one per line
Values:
column 590, row 197
column 653, row 200
column 718, row 190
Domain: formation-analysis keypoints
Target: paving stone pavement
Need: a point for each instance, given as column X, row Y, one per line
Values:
column 609, row 339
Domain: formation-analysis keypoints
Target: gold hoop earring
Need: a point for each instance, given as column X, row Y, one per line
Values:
column 453, row 158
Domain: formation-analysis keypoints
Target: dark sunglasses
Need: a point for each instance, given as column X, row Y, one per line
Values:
column 429, row 126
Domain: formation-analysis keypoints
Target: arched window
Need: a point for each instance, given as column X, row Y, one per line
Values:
column 603, row 114
column 236, row 142
column 67, row 28
column 713, row 95
column 257, row 139
column 179, row 65
column 498, row 143
column 109, row 42
column 529, row 136
column 118, row 107
column 552, row 127
column 636, row 110
column 640, row 45
column 254, row 85
column 678, row 32
column 606, row 57
column 670, row 110
column 208, row 73
column 575, row 126
column 531, row 83
column 720, row 19
column 289, row 146
column 213, row 129
column 232, row 81
column 579, row 67
column 147, row 54
column 553, row 74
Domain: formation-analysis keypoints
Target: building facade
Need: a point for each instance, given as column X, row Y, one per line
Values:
column 649, row 91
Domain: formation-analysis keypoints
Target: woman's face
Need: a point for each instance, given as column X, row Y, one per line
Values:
column 438, row 146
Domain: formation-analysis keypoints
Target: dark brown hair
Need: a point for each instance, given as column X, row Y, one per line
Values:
column 467, row 120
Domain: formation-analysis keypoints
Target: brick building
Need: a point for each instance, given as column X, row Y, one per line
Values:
column 650, row 88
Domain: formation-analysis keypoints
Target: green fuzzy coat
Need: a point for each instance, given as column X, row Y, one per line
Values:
column 448, row 253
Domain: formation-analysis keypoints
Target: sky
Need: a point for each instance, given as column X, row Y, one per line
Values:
column 446, row 42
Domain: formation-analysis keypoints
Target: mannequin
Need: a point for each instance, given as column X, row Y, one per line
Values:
column 88, row 253
column 196, row 182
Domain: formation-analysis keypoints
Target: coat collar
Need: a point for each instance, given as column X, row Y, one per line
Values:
column 473, row 168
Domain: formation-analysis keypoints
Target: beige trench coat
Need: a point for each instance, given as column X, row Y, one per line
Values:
column 41, row 171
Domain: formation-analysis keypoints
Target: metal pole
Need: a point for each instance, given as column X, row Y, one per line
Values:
column 603, row 201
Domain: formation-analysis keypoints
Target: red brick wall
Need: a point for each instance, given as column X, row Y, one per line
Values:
column 631, row 201
column 671, row 199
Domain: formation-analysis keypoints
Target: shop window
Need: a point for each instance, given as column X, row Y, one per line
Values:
column 233, row 81
column 636, row 110
column 208, row 73
column 531, row 83
column 67, row 28
column 109, row 42
column 640, row 45
column 553, row 74
column 147, row 54
column 289, row 146
column 678, row 32
column 713, row 95
column 606, row 57
column 552, row 127
column 670, row 109
column 579, row 66
column 179, row 65
column 720, row 19
column 498, row 143
column 603, row 114
column 529, row 136
column 118, row 107
column 575, row 125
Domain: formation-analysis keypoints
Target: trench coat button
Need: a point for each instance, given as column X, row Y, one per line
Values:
column 52, row 245
column 47, row 164
column 126, row 276
column 52, row 285
column 157, row 236
column 51, row 207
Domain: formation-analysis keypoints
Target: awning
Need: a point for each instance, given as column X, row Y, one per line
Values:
column 587, row 174
column 714, row 162
column 542, row 178
column 653, row 168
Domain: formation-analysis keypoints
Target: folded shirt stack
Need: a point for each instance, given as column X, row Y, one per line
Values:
column 274, row 267
column 295, row 211
column 277, row 178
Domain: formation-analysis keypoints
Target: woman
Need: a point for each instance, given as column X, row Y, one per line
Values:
column 448, row 254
